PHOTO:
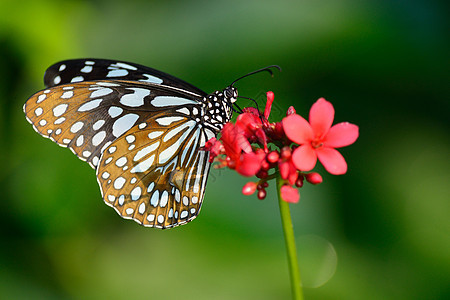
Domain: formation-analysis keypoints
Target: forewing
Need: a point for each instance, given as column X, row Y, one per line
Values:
column 77, row 70
column 88, row 116
column 156, row 173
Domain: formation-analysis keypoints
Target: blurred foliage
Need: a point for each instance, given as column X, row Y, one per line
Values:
column 380, row 232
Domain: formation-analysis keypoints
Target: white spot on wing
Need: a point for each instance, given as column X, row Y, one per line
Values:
column 165, row 155
column 144, row 165
column 86, row 69
column 76, row 127
column 135, row 99
column 184, row 110
column 142, row 208
column 164, row 199
column 59, row 121
column 151, row 78
column 101, row 92
column 136, row 193
column 163, row 101
column 67, row 95
column 165, row 121
column 155, row 134
column 145, row 151
column 114, row 111
column 199, row 170
column 97, row 125
column 98, row 138
column 119, row 183
column 121, row 161
column 124, row 65
column 155, row 198
column 80, row 141
column 90, row 105
column 60, row 109
column 41, row 98
column 117, row 73
column 123, row 124
column 77, row 79
column 177, row 130
column 38, row 111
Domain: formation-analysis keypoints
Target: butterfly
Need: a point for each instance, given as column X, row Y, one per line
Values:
column 142, row 130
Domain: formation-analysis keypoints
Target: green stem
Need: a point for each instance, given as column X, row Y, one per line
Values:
column 289, row 239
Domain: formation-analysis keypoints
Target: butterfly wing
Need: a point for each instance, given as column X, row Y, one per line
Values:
column 77, row 70
column 113, row 125
column 156, row 173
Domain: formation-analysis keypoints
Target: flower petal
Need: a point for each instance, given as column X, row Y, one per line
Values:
column 297, row 129
column 249, row 164
column 321, row 117
column 332, row 160
column 270, row 97
column 304, row 158
column 248, row 123
column 229, row 140
column 289, row 194
column 341, row 135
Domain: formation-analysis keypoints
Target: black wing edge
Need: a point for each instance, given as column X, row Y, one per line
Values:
column 101, row 67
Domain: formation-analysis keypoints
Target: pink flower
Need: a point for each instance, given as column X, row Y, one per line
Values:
column 240, row 155
column 317, row 139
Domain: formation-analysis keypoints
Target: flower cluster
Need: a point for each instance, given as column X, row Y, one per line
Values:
column 255, row 147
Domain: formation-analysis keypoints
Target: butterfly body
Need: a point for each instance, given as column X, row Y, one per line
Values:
column 141, row 129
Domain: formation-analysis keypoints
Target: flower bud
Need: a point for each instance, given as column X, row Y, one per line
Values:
column 299, row 182
column 286, row 153
column 273, row 157
column 249, row 188
column 290, row 111
column 262, row 194
column 262, row 174
column 277, row 131
column 313, row 178
column 284, row 169
column 231, row 163
column 265, row 165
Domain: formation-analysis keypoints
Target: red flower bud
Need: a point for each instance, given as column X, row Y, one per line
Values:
column 286, row 153
column 284, row 169
column 313, row 178
column 262, row 174
column 249, row 188
column 231, row 163
column 270, row 97
column 290, row 111
column 299, row 182
column 262, row 194
column 265, row 165
column 273, row 157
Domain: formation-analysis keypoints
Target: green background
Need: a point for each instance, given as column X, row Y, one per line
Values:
column 382, row 231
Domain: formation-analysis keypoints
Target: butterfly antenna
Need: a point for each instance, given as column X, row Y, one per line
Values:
column 240, row 109
column 257, row 71
column 254, row 101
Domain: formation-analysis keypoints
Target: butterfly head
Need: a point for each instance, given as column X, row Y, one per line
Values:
column 230, row 94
